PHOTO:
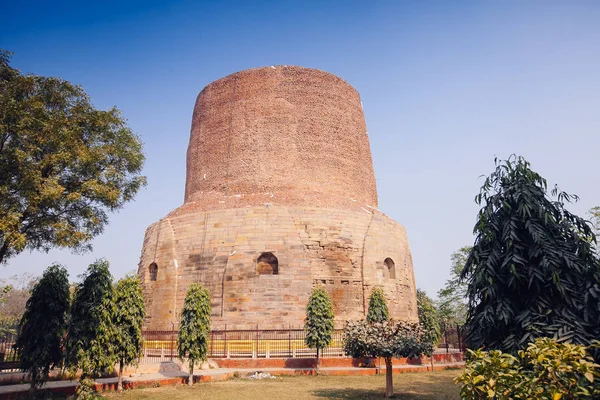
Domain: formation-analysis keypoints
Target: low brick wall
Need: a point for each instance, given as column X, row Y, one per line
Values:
column 332, row 362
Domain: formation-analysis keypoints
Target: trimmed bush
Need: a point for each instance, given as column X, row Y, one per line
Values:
column 387, row 339
column 547, row 369
column 319, row 322
column 378, row 309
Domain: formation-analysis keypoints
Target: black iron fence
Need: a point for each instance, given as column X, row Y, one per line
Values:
column 8, row 354
column 453, row 338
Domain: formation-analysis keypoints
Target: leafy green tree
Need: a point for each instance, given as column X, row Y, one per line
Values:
column 533, row 271
column 43, row 326
column 194, row 327
column 13, row 302
column 6, row 326
column 63, row 163
column 319, row 324
column 452, row 298
column 129, row 318
column 378, row 309
column 92, row 332
column 387, row 339
column 428, row 316
column 595, row 218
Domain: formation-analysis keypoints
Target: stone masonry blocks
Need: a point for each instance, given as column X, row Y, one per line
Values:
column 312, row 245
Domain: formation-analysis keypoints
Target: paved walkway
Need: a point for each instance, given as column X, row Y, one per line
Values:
column 178, row 377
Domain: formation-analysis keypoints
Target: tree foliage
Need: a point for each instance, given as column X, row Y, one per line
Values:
column 92, row 332
column 595, row 218
column 63, row 163
column 533, row 271
column 6, row 325
column 194, row 327
column 387, row 339
column 428, row 317
column 378, row 309
column 319, row 322
column 129, row 318
column 40, row 342
column 545, row 370
column 13, row 302
column 452, row 298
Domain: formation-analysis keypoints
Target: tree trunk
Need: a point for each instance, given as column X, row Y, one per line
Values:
column 3, row 251
column 120, row 381
column 389, row 384
column 317, row 358
column 191, row 378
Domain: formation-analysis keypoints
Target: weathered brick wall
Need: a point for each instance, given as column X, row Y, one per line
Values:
column 278, row 162
column 283, row 135
column 343, row 250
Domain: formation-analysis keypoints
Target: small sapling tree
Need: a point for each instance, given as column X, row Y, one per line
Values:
column 452, row 303
column 318, row 324
column 428, row 316
column 91, row 339
column 378, row 309
column 194, row 327
column 43, row 325
column 387, row 339
column 129, row 317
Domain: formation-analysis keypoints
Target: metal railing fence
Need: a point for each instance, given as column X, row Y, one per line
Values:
column 242, row 343
column 160, row 346
column 453, row 338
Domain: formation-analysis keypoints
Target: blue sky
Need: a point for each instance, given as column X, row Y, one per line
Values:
column 446, row 87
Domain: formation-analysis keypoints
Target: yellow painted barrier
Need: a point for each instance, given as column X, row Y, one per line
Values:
column 246, row 346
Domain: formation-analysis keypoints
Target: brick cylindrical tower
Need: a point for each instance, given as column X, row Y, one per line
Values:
column 296, row 135
column 280, row 195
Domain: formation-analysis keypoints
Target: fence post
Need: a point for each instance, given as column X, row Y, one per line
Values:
column 255, row 355
column 289, row 340
column 212, row 340
column 172, row 335
column 446, row 339
column 226, row 347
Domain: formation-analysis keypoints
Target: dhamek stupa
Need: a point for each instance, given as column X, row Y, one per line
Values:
column 280, row 196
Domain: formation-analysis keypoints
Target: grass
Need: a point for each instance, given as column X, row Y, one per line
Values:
column 413, row 386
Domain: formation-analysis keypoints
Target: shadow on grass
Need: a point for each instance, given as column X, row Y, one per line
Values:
column 367, row 394
column 427, row 386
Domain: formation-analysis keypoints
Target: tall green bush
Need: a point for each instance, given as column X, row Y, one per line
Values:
column 533, row 270
column 319, row 322
column 428, row 316
column 129, row 317
column 378, row 309
column 194, row 327
column 92, row 332
column 43, row 326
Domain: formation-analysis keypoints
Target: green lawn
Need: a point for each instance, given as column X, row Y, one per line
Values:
column 412, row 386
